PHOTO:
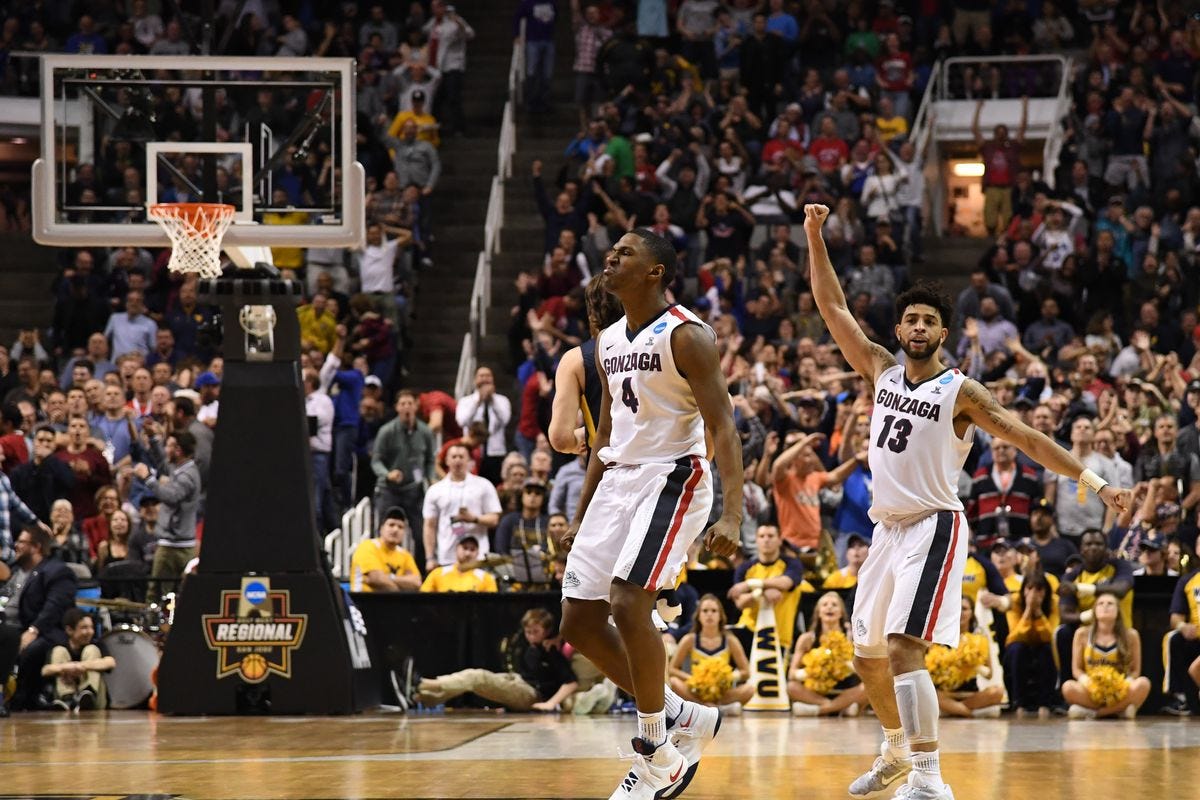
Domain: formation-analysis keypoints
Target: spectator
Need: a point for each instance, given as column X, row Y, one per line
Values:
column 69, row 541
column 382, row 564
column 542, row 681
column 1002, row 496
column 455, row 507
column 568, row 485
column 494, row 411
column 590, row 37
column 347, row 419
column 427, row 124
column 185, row 420
column 317, row 324
column 448, row 36
column 79, row 665
column 1001, row 160
column 710, row 638
column 1099, row 573
column 537, row 18
column 797, row 476
column 403, row 459
column 1181, row 647
column 131, row 331
column 319, row 410
column 209, row 386
column 13, row 450
column 87, row 463
column 143, row 543
column 44, row 480
column 178, row 489
column 773, row 578
column 463, row 575
column 48, row 591
column 524, row 534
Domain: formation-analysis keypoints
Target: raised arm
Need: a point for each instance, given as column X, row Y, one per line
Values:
column 975, row 126
column 595, row 468
column 866, row 358
column 696, row 356
column 565, row 414
column 1024, row 119
column 977, row 404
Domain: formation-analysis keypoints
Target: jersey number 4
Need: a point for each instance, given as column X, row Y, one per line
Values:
column 902, row 427
column 627, row 395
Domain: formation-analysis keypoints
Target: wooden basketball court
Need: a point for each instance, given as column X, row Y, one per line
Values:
column 120, row 754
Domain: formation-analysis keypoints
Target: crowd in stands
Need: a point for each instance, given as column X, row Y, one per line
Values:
column 713, row 124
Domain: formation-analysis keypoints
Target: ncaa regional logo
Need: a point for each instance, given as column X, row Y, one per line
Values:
column 660, row 327
column 255, row 632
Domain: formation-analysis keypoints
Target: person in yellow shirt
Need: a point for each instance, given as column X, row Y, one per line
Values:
column 772, row 578
column 1099, row 572
column 1106, row 642
column 285, row 257
column 1028, row 655
column 318, row 326
column 427, row 124
column 462, row 575
column 888, row 122
column 856, row 553
column 382, row 565
column 1181, row 648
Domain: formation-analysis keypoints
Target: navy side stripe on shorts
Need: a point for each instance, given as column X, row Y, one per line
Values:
column 931, row 573
column 660, row 522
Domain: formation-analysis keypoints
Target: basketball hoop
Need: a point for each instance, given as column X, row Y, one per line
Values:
column 196, row 230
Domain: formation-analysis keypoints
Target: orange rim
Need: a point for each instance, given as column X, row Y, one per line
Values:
column 212, row 212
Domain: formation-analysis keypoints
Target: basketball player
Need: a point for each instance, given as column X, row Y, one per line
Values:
column 576, row 381
column 910, row 587
column 645, row 500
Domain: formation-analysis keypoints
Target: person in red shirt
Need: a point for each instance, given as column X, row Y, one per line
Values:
column 436, row 409
column 782, row 146
column 797, row 478
column 1001, row 160
column 829, row 149
column 89, row 465
column 894, row 73
column 13, row 450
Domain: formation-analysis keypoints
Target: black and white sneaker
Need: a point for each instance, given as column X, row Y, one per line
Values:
column 60, row 704
column 85, row 700
column 1177, row 706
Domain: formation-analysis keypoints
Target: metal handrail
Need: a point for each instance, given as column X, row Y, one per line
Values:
column 923, row 123
column 1054, row 142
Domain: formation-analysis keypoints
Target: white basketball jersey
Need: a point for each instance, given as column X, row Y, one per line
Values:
column 914, row 454
column 655, row 419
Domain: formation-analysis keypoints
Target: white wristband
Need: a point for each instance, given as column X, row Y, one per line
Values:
column 1085, row 589
column 1092, row 481
column 755, row 583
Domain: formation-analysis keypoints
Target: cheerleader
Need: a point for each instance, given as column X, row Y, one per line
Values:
column 1105, row 643
column 967, row 699
column 710, row 641
column 848, row 695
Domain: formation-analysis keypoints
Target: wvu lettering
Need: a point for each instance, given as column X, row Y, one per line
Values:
column 633, row 362
column 908, row 405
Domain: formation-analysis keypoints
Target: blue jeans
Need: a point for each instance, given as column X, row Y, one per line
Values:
column 539, row 71
column 344, row 439
column 323, row 493
column 524, row 446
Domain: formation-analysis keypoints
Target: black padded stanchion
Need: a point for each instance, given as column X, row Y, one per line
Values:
column 262, row 627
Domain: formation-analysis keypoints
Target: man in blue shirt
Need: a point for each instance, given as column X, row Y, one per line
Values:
column 350, row 384
column 131, row 330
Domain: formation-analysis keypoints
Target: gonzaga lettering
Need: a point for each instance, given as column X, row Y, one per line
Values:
column 655, row 419
column 915, row 455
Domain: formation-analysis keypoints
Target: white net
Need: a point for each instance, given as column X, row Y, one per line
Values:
column 196, row 230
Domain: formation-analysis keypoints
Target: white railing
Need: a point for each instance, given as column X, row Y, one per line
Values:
column 922, row 127
column 1054, row 142
column 481, row 290
column 357, row 524
column 950, row 65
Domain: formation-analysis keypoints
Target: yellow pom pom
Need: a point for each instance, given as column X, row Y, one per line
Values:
column 827, row 663
column 1106, row 685
column 711, row 678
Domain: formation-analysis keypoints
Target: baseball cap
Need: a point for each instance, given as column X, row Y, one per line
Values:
column 1194, row 386
column 1154, row 541
column 147, row 500
column 207, row 379
column 1024, row 401
column 469, row 538
column 535, row 484
column 373, row 380
column 190, row 394
column 1026, row 543
column 396, row 512
column 418, row 96
column 1042, row 505
column 1001, row 544
column 857, row 538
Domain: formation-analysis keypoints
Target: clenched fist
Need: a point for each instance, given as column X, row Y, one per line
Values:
column 814, row 216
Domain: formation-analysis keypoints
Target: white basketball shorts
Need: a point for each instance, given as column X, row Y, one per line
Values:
column 911, row 583
column 639, row 526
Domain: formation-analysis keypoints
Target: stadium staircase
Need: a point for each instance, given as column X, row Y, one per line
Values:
column 444, row 294
column 25, row 280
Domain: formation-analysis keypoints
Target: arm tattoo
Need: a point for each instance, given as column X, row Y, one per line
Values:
column 981, row 399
